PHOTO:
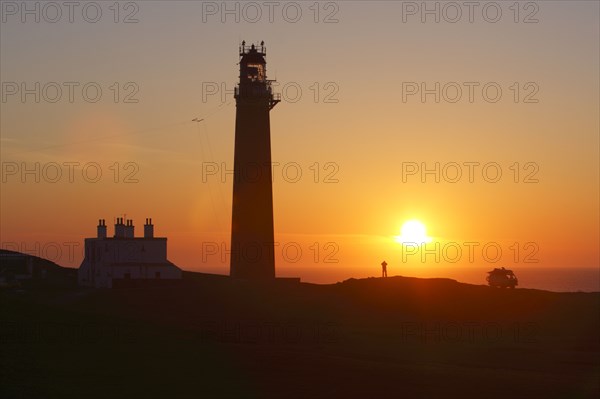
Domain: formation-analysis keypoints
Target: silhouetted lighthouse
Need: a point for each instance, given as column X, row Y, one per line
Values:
column 252, row 240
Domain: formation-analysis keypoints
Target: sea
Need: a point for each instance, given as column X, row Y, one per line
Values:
column 558, row 279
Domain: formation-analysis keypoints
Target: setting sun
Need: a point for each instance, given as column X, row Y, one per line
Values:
column 413, row 232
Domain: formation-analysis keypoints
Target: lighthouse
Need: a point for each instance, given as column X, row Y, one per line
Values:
column 252, row 237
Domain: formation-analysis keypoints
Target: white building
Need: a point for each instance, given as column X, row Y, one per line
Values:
column 125, row 259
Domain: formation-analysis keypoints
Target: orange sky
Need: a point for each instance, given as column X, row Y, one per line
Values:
column 352, row 126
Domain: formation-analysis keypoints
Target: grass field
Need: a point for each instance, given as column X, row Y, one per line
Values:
column 210, row 337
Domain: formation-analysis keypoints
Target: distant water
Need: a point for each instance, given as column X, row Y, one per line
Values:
column 561, row 279
column 541, row 278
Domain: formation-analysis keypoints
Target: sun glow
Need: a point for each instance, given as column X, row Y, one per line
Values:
column 413, row 232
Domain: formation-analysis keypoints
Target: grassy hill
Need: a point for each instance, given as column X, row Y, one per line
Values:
column 371, row 338
column 34, row 271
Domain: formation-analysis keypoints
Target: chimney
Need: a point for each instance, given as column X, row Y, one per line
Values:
column 101, row 228
column 129, row 229
column 148, row 229
column 119, row 228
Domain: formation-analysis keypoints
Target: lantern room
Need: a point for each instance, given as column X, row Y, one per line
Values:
column 252, row 63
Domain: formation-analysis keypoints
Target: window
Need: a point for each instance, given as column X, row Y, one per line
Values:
column 256, row 72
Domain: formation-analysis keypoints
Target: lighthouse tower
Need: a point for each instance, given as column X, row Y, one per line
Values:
column 252, row 240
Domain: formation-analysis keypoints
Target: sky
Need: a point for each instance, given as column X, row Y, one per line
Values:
column 481, row 122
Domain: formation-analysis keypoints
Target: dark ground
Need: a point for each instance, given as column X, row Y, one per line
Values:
column 211, row 337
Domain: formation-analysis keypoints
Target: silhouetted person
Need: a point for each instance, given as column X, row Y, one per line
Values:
column 384, row 269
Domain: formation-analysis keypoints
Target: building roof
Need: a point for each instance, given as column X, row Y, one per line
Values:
column 142, row 264
column 126, row 238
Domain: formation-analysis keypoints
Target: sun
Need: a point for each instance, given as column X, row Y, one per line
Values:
column 413, row 232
